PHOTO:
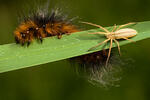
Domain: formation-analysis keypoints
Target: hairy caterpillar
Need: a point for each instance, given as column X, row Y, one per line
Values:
column 41, row 24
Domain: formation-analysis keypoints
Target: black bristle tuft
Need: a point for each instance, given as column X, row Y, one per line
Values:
column 17, row 40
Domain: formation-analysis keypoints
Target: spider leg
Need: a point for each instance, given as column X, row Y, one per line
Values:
column 128, row 39
column 99, row 44
column 117, row 45
column 121, row 26
column 115, row 26
column 96, row 26
column 98, row 33
column 111, row 40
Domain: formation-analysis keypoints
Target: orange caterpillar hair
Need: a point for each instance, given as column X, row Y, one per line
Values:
column 41, row 25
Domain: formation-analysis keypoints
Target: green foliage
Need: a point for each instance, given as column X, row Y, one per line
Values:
column 14, row 56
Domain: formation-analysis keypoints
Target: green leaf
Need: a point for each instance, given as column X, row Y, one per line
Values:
column 13, row 56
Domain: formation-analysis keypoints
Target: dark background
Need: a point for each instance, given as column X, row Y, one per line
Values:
column 57, row 80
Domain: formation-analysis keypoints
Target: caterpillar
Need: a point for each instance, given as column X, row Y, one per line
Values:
column 43, row 24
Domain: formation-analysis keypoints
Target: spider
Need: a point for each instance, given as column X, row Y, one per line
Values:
column 114, row 35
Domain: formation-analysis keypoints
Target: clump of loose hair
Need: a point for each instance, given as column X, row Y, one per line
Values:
column 92, row 67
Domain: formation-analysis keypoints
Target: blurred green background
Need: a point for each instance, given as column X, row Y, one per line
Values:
column 58, row 81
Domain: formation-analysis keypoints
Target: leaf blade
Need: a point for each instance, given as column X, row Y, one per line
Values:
column 13, row 57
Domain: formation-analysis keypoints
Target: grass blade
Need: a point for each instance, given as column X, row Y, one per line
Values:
column 14, row 56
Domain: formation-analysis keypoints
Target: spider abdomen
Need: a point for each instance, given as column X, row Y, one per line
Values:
column 126, row 32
